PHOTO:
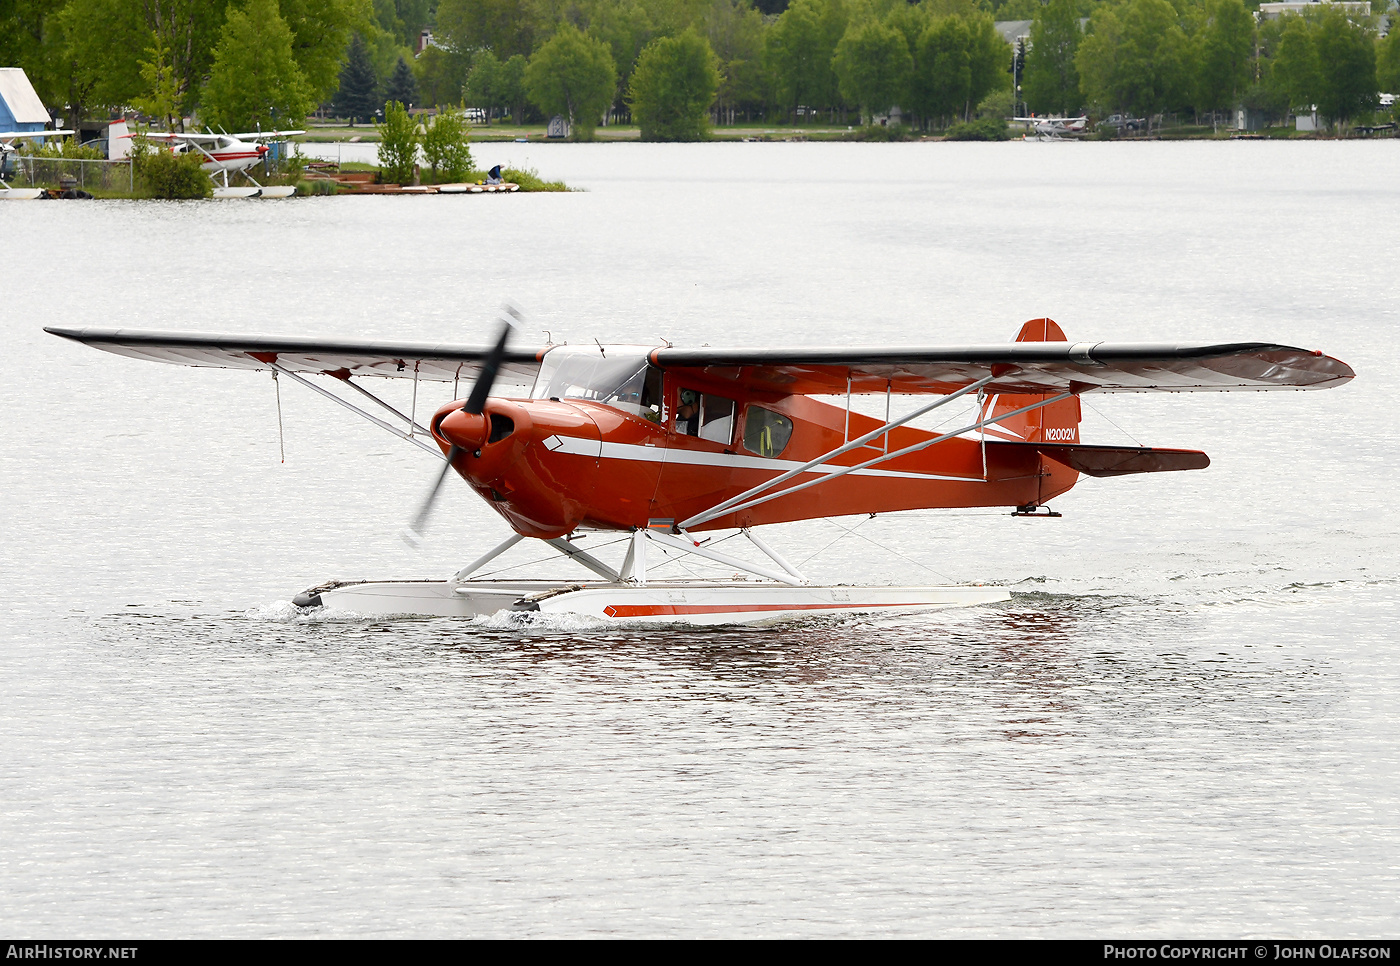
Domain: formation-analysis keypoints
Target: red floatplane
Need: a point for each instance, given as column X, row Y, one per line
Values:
column 662, row 443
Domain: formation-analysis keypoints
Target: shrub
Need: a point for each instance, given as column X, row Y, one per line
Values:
column 987, row 129
column 881, row 132
column 398, row 145
column 529, row 180
column 316, row 186
column 166, row 175
column 445, row 147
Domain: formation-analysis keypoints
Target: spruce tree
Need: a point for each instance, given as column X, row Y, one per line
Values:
column 402, row 86
column 357, row 95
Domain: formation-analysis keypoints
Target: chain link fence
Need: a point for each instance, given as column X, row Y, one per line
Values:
column 82, row 173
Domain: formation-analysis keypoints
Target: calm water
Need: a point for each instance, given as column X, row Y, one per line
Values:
column 1185, row 723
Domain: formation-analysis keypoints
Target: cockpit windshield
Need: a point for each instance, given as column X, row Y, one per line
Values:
column 624, row 381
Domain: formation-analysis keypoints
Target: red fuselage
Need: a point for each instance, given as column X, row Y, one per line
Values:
column 549, row 465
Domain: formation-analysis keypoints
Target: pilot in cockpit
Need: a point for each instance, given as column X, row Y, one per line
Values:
column 688, row 413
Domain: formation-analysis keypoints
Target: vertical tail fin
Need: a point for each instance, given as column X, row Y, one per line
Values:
column 1055, row 423
column 118, row 141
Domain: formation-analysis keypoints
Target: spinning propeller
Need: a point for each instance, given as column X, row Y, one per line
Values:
column 469, row 422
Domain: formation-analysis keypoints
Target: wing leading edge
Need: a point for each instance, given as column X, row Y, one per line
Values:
column 354, row 357
column 1017, row 367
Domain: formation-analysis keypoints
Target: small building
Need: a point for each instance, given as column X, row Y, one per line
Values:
column 1014, row 30
column 20, row 107
column 1249, row 119
column 1308, row 121
column 1272, row 11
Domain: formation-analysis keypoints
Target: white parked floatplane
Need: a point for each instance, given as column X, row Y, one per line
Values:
column 659, row 447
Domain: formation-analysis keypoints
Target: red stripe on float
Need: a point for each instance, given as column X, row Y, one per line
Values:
column 655, row 610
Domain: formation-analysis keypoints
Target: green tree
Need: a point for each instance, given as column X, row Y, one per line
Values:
column 1224, row 47
column 1294, row 71
column 504, row 27
column 1050, row 84
column 736, row 30
column 873, row 67
column 513, row 86
column 572, row 75
column 398, row 145
column 159, row 74
column 1347, row 55
column 1388, row 63
column 943, row 82
column 358, row 94
column 402, row 85
column 441, row 76
column 988, row 57
column 626, row 27
column 484, row 82
column 672, row 88
column 320, row 31
column 445, row 147
column 1135, row 57
column 798, row 49
column 255, row 81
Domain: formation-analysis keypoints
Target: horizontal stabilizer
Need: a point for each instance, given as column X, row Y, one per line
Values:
column 1117, row 460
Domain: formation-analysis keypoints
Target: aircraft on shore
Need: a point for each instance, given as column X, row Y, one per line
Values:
column 657, row 445
column 1053, row 128
column 7, row 146
column 226, row 153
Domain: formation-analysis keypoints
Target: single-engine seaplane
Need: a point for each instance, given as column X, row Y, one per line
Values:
column 226, row 153
column 661, row 444
column 1053, row 128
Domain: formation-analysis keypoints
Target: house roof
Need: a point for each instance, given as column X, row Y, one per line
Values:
column 19, row 97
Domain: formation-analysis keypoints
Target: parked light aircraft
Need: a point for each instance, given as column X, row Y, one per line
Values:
column 225, row 153
column 660, row 445
column 7, row 145
column 1053, row 127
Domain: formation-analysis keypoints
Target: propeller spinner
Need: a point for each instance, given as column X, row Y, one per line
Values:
column 467, row 428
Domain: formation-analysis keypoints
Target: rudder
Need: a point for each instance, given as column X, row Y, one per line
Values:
column 1055, row 423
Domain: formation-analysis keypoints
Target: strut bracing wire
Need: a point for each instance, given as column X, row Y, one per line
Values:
column 277, row 391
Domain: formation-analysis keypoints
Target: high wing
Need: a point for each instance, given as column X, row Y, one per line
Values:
column 19, row 135
column 174, row 136
column 1016, row 367
column 438, row 362
column 264, row 135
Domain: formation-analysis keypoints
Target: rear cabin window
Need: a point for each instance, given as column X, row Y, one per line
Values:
column 766, row 432
column 705, row 415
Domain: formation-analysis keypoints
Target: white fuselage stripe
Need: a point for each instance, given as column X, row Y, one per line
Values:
column 658, row 454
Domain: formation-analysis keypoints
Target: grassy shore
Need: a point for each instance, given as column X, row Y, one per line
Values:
column 535, row 133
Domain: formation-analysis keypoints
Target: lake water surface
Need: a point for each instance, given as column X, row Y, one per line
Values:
column 1185, row 723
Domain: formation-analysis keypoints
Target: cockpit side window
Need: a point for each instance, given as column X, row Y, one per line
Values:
column 765, row 432
column 705, row 415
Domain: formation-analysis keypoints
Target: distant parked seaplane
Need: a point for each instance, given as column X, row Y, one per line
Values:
column 660, row 446
column 7, row 145
column 1053, row 128
column 226, row 153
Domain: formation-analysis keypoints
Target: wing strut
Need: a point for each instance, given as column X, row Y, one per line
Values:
column 728, row 507
column 721, row 508
column 356, row 409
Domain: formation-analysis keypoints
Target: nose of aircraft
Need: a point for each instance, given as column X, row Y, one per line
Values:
column 464, row 429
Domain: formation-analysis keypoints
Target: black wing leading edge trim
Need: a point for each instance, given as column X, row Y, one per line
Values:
column 439, row 362
column 1017, row 367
